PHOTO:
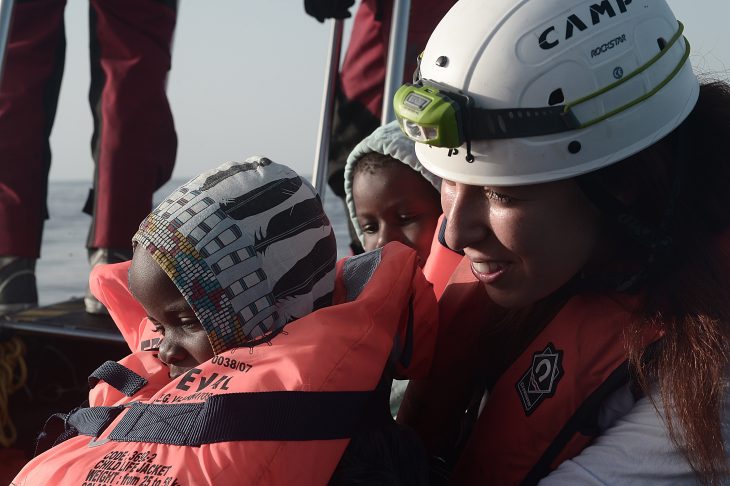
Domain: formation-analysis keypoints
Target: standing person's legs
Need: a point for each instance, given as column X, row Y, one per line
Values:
column 28, row 98
column 134, row 142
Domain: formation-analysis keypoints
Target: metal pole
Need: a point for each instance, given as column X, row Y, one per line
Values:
column 319, row 171
column 396, row 56
column 6, row 13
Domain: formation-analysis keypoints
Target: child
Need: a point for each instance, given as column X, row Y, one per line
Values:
column 390, row 195
column 257, row 378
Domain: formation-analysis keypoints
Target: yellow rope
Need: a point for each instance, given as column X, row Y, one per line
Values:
column 13, row 374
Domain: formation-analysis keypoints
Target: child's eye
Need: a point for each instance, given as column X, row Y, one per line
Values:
column 369, row 228
column 192, row 325
column 496, row 196
column 406, row 218
column 157, row 327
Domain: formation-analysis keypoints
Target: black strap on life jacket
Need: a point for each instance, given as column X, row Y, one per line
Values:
column 358, row 270
column 584, row 421
column 89, row 421
column 279, row 415
column 117, row 376
column 403, row 352
column 92, row 420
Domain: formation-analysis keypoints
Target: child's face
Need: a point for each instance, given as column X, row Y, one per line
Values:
column 185, row 343
column 395, row 203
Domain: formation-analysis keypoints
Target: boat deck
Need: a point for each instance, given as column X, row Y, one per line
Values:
column 62, row 346
column 67, row 319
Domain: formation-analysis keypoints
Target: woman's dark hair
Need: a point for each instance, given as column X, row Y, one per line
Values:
column 682, row 184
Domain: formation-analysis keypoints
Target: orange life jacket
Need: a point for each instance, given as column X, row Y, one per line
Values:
column 275, row 414
column 542, row 409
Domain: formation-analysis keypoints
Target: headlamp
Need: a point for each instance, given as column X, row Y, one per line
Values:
column 429, row 116
column 436, row 115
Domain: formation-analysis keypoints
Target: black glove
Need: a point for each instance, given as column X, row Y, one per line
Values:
column 328, row 9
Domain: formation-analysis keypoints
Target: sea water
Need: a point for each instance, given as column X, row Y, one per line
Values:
column 62, row 272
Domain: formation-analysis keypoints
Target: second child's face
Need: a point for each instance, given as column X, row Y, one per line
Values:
column 184, row 342
column 396, row 204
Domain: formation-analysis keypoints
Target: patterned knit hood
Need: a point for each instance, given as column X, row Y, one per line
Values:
column 249, row 247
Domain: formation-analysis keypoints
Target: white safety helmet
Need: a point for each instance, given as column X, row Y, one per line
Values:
column 516, row 92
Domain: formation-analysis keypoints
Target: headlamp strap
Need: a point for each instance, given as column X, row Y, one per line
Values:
column 520, row 122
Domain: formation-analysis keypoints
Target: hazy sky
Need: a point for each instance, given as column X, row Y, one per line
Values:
column 247, row 79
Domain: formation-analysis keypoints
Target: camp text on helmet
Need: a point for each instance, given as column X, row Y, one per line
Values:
column 551, row 37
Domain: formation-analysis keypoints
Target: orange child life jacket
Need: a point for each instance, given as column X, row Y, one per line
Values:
column 276, row 414
column 543, row 408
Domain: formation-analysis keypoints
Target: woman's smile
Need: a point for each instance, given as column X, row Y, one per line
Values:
column 489, row 271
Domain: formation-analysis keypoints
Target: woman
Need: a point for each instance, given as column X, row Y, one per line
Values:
column 585, row 179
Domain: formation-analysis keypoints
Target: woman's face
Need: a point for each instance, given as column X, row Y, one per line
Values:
column 524, row 242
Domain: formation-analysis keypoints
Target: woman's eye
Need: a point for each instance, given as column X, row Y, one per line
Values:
column 157, row 327
column 369, row 228
column 496, row 196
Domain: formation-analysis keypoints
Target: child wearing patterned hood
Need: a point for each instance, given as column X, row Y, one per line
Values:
column 266, row 362
column 248, row 248
column 390, row 196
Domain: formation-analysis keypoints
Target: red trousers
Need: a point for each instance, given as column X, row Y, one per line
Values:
column 363, row 70
column 134, row 142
